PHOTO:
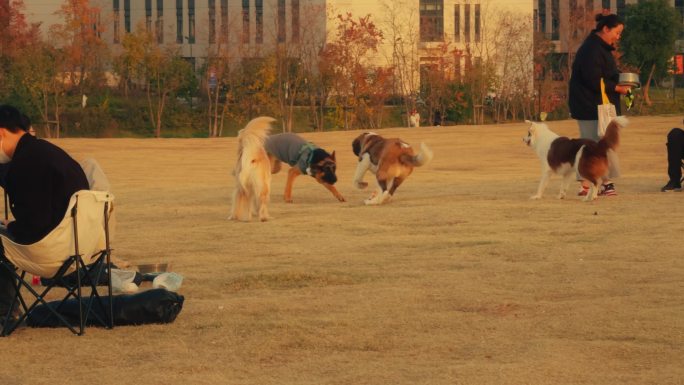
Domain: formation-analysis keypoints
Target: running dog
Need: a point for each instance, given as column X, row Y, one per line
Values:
column 252, row 172
column 391, row 160
column 569, row 157
column 304, row 158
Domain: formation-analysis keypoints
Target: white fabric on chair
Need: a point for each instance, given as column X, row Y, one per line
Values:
column 97, row 179
column 45, row 257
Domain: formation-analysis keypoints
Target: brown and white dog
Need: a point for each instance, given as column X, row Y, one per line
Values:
column 252, row 171
column 391, row 160
column 570, row 157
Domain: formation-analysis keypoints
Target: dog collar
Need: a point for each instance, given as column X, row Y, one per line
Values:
column 310, row 147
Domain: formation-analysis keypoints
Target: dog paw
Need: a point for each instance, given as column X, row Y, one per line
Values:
column 535, row 197
column 361, row 185
column 373, row 200
column 385, row 197
column 560, row 196
column 288, row 200
column 341, row 198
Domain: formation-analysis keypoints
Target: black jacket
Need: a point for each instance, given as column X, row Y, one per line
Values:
column 593, row 61
column 40, row 181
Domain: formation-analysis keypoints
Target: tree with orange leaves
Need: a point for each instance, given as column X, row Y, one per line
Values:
column 79, row 36
column 15, row 32
column 347, row 61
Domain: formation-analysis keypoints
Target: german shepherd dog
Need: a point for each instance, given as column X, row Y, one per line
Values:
column 304, row 158
column 252, row 172
column 391, row 160
column 570, row 157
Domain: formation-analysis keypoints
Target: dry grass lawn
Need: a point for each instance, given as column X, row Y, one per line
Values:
column 461, row 279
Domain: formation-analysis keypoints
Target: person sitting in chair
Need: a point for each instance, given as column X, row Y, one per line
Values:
column 40, row 180
column 675, row 153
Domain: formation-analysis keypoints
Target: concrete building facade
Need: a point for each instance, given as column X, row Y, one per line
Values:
column 560, row 20
column 252, row 28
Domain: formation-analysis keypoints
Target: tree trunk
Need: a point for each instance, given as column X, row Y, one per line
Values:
column 210, row 111
column 57, row 125
column 150, row 107
column 647, row 87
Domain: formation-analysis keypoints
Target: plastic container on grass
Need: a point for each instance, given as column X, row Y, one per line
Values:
column 168, row 281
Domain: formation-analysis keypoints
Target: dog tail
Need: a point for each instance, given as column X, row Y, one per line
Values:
column 611, row 139
column 255, row 132
column 424, row 156
column 251, row 144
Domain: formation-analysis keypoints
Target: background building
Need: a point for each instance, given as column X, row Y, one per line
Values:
column 565, row 23
column 254, row 27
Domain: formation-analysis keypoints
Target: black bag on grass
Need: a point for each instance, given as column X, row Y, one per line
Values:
column 148, row 307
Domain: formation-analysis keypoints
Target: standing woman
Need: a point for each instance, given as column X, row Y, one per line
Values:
column 594, row 61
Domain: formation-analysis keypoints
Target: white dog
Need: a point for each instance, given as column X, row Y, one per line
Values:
column 569, row 157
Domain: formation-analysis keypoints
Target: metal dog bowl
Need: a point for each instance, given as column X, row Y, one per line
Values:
column 154, row 268
column 629, row 79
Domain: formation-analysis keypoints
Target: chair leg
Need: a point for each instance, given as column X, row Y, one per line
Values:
column 88, row 276
column 9, row 324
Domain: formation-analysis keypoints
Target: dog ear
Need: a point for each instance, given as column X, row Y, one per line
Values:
column 332, row 156
column 356, row 146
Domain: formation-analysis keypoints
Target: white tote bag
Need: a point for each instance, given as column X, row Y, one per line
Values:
column 606, row 111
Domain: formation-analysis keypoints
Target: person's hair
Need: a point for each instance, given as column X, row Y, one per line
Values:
column 10, row 118
column 25, row 122
column 611, row 21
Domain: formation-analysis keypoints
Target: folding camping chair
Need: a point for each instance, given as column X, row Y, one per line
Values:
column 80, row 244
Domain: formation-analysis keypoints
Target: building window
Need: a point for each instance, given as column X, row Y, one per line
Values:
column 477, row 22
column 117, row 37
column 212, row 21
column 457, row 64
column 542, row 16
column 224, row 18
column 95, row 23
column 620, row 7
column 555, row 20
column 127, row 15
column 148, row 16
column 281, row 21
column 466, row 23
column 457, row 22
column 295, row 21
column 679, row 6
column 605, row 4
column 245, row 21
column 191, row 21
column 431, row 20
column 426, row 69
column 259, row 11
column 159, row 25
column 179, row 21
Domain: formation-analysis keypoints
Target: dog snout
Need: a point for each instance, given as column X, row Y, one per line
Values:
column 330, row 178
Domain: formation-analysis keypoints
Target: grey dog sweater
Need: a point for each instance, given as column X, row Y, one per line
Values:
column 291, row 149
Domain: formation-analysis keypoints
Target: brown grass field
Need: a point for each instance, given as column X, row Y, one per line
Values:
column 461, row 279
